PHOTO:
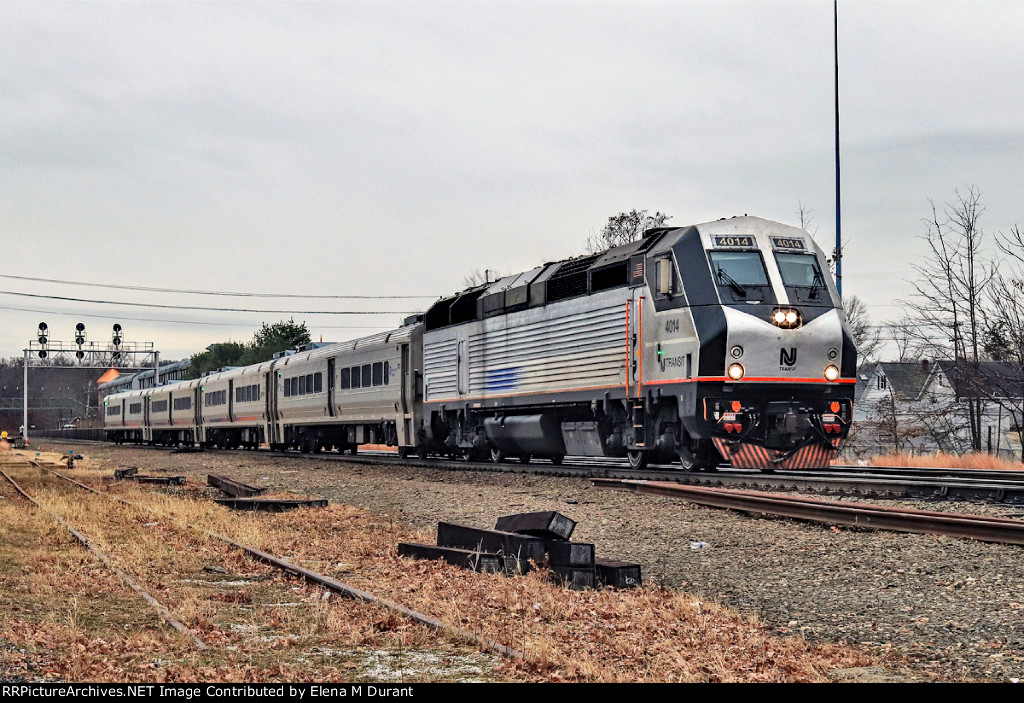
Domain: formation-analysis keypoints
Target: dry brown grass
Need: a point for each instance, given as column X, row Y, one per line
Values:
column 650, row 634
column 943, row 460
column 78, row 623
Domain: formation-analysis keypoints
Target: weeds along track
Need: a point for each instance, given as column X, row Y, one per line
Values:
column 325, row 581
column 648, row 634
column 125, row 578
column 211, row 593
column 191, row 545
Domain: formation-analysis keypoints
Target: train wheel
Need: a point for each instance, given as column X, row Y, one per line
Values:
column 524, row 458
column 497, row 456
column 557, row 459
column 354, row 449
column 637, row 460
column 403, row 452
column 687, row 459
column 421, row 451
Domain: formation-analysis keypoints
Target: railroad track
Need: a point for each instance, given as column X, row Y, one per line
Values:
column 455, row 633
column 984, row 528
column 1005, row 487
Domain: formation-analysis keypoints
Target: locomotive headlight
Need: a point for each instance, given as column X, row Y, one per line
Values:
column 831, row 373
column 736, row 351
column 787, row 318
column 736, row 371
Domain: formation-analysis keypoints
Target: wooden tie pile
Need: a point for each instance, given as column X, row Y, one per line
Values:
column 519, row 541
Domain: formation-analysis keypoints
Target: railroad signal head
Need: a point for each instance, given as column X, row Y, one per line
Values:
column 42, row 353
column 79, row 335
column 80, row 354
column 117, row 335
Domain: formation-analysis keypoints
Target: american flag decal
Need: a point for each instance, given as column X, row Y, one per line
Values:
column 638, row 270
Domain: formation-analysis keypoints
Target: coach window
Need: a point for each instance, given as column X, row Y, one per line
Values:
column 345, row 378
column 302, row 385
column 355, row 377
column 318, row 382
column 378, row 374
column 386, row 373
column 309, row 383
column 367, row 376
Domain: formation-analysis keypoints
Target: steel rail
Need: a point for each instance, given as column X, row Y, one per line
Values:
column 982, row 528
column 125, row 578
column 888, row 482
column 329, row 583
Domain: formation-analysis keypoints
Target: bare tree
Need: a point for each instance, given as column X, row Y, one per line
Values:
column 624, row 228
column 478, row 277
column 867, row 337
column 806, row 220
column 950, row 287
column 904, row 333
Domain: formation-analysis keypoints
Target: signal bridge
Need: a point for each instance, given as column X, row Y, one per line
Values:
column 127, row 355
column 43, row 352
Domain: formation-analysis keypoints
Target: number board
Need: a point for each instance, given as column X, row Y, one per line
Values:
column 788, row 243
column 734, row 240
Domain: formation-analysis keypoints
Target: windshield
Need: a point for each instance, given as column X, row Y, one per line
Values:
column 739, row 267
column 800, row 270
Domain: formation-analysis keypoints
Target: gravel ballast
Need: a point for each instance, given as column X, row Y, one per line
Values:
column 950, row 607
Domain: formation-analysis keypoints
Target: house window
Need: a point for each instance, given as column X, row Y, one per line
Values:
column 882, row 384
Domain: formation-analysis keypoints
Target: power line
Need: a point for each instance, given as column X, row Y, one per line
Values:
column 215, row 292
column 199, row 307
column 180, row 322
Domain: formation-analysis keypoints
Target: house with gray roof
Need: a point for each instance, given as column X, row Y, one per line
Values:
column 923, row 406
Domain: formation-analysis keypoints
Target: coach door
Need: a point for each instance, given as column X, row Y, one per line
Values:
column 270, row 408
column 146, row 433
column 231, row 400
column 330, row 388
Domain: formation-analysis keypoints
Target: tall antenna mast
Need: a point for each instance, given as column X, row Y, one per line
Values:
column 839, row 241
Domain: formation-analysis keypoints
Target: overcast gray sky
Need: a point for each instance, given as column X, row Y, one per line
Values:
column 391, row 148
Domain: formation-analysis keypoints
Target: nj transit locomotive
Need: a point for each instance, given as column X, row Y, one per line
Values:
column 718, row 342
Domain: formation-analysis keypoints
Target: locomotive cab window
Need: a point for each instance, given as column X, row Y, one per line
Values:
column 666, row 278
column 801, row 271
column 740, row 274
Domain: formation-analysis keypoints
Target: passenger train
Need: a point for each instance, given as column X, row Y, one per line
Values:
column 722, row 342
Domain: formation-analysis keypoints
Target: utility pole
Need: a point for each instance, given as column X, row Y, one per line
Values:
column 839, row 241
